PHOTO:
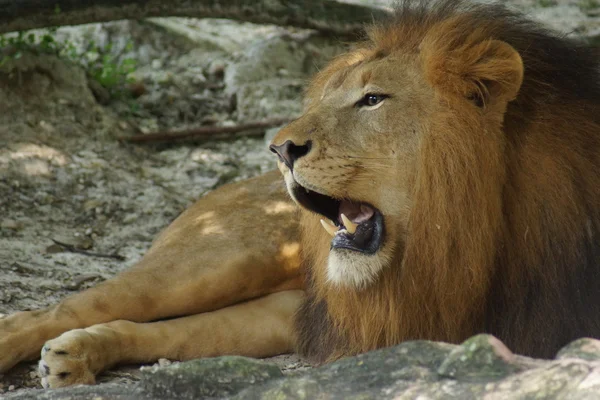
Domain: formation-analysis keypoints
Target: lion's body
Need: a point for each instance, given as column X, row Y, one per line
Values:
column 463, row 145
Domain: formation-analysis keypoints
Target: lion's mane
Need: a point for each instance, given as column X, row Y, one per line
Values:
column 504, row 232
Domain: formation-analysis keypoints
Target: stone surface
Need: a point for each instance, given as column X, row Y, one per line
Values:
column 481, row 367
column 267, row 77
column 480, row 358
column 218, row 377
column 585, row 349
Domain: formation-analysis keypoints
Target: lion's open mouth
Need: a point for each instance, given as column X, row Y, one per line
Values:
column 356, row 226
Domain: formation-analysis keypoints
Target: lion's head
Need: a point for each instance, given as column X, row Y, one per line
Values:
column 352, row 159
column 369, row 122
column 415, row 150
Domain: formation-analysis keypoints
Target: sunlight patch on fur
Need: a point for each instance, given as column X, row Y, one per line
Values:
column 278, row 207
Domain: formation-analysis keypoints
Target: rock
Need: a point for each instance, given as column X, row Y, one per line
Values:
column 220, row 377
column 269, row 74
column 483, row 357
column 270, row 99
column 300, row 56
column 76, row 241
column 481, row 367
column 584, row 349
column 216, row 378
column 101, row 94
column 48, row 76
column 192, row 31
column 374, row 375
column 11, row 224
column 105, row 391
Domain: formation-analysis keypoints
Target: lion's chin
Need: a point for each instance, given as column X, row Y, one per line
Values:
column 347, row 268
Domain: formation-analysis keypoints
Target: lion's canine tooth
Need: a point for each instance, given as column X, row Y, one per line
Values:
column 350, row 226
column 329, row 227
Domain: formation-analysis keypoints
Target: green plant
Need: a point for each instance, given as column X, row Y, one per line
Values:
column 547, row 3
column 110, row 69
column 588, row 5
column 106, row 66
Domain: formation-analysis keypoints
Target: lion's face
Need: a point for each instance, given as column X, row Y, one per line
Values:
column 352, row 157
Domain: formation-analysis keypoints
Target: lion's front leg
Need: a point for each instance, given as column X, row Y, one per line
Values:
column 239, row 242
column 257, row 328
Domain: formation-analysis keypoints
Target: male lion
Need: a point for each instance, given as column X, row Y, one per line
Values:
column 454, row 157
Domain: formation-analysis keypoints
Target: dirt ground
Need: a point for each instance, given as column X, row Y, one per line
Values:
column 68, row 184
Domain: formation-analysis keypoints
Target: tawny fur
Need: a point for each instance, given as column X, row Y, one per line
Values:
column 504, row 215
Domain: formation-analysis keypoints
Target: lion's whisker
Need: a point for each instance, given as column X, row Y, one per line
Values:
column 371, row 158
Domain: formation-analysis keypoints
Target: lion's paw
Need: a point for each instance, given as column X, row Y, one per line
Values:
column 67, row 360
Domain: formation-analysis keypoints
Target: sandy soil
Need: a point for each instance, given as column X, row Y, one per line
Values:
column 66, row 178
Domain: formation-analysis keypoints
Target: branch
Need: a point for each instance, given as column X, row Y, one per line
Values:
column 74, row 249
column 324, row 15
column 250, row 129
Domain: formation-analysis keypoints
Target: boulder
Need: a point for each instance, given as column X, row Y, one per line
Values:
column 481, row 367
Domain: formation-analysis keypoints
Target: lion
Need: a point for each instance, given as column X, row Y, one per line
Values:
column 441, row 182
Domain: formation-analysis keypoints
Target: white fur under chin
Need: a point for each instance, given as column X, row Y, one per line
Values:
column 350, row 269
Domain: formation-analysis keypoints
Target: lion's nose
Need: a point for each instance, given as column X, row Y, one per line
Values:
column 289, row 152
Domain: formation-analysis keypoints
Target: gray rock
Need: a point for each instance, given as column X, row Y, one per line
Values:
column 480, row 358
column 212, row 378
column 286, row 56
column 269, row 99
column 585, row 349
column 481, row 367
column 268, row 76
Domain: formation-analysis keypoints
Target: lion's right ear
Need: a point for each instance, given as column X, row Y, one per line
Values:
column 485, row 71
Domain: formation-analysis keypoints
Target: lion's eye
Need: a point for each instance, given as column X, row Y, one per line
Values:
column 371, row 100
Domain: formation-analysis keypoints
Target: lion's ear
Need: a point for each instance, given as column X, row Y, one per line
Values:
column 485, row 72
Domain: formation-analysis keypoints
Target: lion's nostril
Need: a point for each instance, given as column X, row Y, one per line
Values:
column 300, row 151
column 289, row 152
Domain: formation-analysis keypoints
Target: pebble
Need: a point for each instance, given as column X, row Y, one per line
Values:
column 157, row 64
column 129, row 218
column 217, row 67
column 163, row 362
column 11, row 224
column 48, row 127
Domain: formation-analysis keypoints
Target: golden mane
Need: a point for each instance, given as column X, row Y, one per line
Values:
column 504, row 230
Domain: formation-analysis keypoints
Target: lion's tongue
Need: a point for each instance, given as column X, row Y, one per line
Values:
column 356, row 212
column 359, row 228
column 356, row 232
